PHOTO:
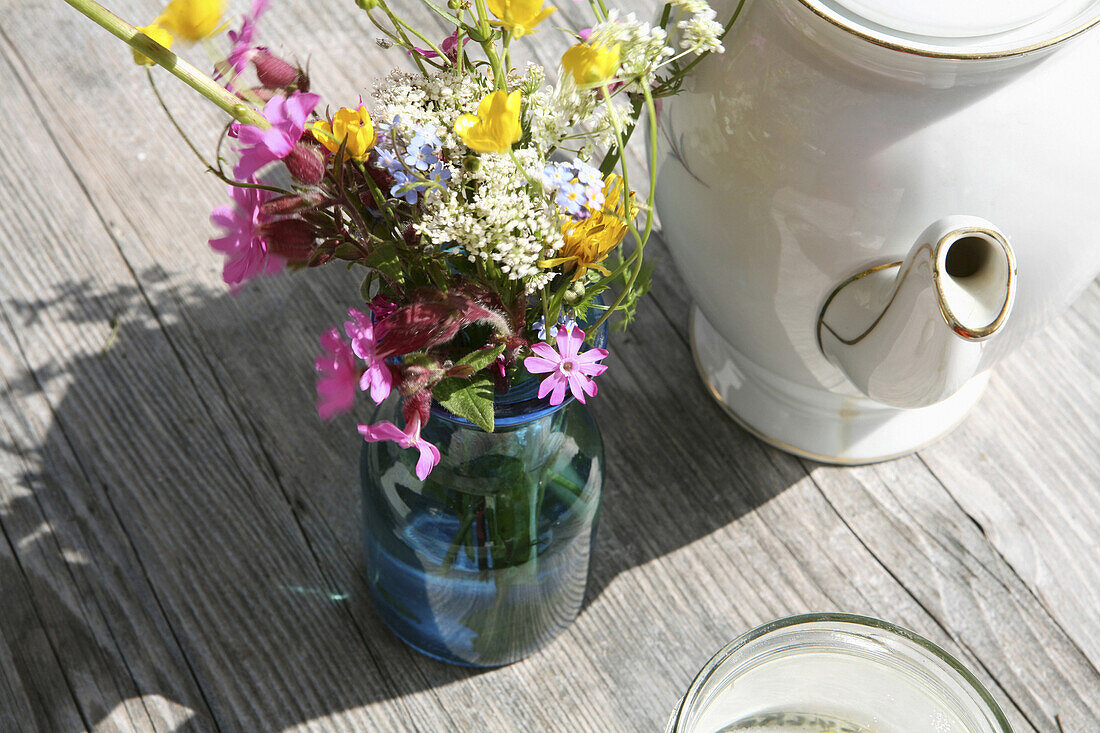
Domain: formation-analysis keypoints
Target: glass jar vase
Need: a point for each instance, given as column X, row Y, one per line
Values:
column 837, row 673
column 486, row 560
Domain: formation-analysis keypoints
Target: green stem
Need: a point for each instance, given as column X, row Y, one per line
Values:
column 486, row 31
column 638, row 238
column 176, row 66
column 612, row 157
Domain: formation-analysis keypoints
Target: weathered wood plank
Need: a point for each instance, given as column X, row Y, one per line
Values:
column 232, row 503
column 1026, row 468
column 157, row 494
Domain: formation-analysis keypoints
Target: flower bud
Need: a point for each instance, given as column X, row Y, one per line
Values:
column 289, row 238
column 272, row 71
column 367, row 4
column 290, row 203
column 306, row 164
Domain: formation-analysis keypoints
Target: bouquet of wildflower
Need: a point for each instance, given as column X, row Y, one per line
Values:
column 489, row 208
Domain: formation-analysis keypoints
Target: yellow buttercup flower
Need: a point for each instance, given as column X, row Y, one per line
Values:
column 519, row 16
column 192, row 19
column 354, row 125
column 496, row 125
column 591, row 65
column 155, row 33
column 589, row 241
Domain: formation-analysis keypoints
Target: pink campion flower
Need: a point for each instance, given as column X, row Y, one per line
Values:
column 247, row 253
column 449, row 47
column 287, row 116
column 567, row 368
column 338, row 376
column 407, row 438
column 243, row 49
column 365, row 335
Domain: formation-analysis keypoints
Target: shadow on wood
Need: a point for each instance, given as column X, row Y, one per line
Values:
column 178, row 492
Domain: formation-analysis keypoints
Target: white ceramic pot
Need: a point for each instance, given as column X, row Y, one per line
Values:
column 873, row 201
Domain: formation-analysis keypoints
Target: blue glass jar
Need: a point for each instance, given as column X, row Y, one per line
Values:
column 486, row 560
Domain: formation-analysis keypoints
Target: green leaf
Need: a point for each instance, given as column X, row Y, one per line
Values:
column 366, row 286
column 385, row 259
column 469, row 398
column 481, row 358
column 347, row 251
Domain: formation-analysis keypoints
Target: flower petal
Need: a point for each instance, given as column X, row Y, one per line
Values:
column 558, row 395
column 576, row 386
column 538, row 365
column 384, row 430
column 548, row 384
column 429, row 457
column 569, row 342
column 591, row 356
column 546, row 351
column 381, row 381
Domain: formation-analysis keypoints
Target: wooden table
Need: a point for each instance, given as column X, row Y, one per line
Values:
column 180, row 534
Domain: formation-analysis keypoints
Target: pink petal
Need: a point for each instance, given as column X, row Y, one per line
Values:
column 549, row 383
column 225, row 217
column 429, row 457
column 384, row 430
column 381, row 381
column 576, row 386
column 297, row 109
column 592, row 370
column 250, row 135
column 538, row 365
column 546, row 351
column 225, row 244
column 569, row 342
column 591, row 356
column 278, row 142
column 558, row 395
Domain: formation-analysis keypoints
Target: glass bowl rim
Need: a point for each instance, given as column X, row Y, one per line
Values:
column 837, row 618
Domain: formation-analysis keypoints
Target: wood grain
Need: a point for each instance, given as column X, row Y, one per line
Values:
column 179, row 536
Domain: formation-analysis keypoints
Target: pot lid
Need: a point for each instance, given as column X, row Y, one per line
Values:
column 961, row 28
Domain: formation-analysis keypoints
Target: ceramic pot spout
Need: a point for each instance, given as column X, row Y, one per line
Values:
column 911, row 334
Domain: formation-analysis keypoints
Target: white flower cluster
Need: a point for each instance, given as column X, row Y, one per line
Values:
column 492, row 215
column 701, row 32
column 429, row 100
column 564, row 116
column 643, row 47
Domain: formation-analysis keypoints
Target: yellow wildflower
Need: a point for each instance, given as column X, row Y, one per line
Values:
column 353, row 125
column 157, row 34
column 496, row 125
column 192, row 19
column 589, row 241
column 591, row 65
column 519, row 16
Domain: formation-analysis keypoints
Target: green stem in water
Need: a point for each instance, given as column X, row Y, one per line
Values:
column 176, row 66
